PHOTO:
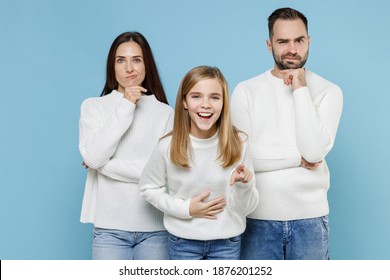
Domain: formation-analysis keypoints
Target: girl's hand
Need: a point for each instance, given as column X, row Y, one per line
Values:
column 133, row 94
column 207, row 210
column 241, row 173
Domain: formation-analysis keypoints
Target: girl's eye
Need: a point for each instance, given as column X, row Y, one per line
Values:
column 137, row 60
column 120, row 60
column 216, row 97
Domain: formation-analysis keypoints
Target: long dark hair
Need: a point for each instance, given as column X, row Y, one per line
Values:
column 152, row 81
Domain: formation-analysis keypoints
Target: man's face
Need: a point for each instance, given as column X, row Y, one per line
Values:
column 289, row 44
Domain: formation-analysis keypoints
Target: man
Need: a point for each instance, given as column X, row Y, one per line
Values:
column 291, row 116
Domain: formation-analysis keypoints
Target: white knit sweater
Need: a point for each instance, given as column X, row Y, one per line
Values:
column 170, row 188
column 284, row 126
column 116, row 140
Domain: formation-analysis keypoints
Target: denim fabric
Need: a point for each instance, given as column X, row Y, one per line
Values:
column 305, row 239
column 220, row 249
column 110, row 244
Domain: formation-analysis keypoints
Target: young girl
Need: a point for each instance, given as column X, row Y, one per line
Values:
column 200, row 175
column 118, row 131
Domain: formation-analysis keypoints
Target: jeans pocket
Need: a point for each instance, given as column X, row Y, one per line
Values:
column 97, row 231
column 234, row 239
column 174, row 239
column 325, row 222
column 325, row 226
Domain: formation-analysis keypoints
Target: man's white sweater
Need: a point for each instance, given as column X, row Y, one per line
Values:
column 170, row 188
column 116, row 140
column 284, row 126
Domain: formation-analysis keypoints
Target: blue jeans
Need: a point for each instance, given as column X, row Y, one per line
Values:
column 305, row 239
column 111, row 244
column 188, row 249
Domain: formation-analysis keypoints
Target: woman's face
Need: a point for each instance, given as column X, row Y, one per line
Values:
column 204, row 103
column 129, row 65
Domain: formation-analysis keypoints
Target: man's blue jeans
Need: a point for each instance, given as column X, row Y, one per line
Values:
column 188, row 249
column 305, row 239
column 111, row 244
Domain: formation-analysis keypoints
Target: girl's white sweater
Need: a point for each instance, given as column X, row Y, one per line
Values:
column 170, row 189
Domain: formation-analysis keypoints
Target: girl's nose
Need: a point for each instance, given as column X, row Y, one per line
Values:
column 205, row 103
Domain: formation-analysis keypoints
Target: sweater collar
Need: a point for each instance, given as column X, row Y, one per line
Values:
column 198, row 143
column 274, row 80
column 278, row 81
column 118, row 94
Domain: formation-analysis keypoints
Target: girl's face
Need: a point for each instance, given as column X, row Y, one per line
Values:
column 204, row 103
column 129, row 65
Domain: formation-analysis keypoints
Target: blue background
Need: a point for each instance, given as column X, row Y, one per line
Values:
column 53, row 55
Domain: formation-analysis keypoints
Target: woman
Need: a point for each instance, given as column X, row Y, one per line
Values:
column 201, row 175
column 118, row 131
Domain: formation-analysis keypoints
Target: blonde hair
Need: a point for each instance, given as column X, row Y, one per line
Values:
column 230, row 144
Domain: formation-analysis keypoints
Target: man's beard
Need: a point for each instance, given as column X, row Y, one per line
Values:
column 284, row 65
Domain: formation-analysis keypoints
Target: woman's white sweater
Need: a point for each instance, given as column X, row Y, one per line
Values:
column 116, row 140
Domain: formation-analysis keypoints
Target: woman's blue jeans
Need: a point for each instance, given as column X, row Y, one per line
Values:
column 111, row 244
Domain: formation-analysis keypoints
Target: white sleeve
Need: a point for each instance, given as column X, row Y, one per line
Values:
column 99, row 135
column 153, row 186
column 316, row 127
column 169, row 125
column 264, row 158
column 244, row 196
column 239, row 107
column 128, row 171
